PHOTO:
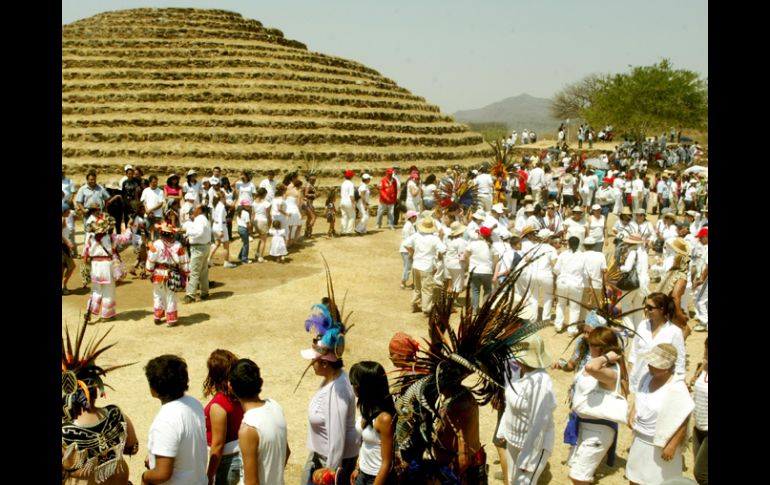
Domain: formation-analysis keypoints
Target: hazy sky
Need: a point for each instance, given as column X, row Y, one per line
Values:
column 467, row 54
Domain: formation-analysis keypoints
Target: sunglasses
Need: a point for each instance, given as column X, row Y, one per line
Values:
column 650, row 307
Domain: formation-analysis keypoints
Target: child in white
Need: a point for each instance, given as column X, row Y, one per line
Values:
column 219, row 230
column 278, row 242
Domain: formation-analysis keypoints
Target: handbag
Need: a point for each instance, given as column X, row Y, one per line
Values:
column 599, row 403
column 174, row 282
column 629, row 281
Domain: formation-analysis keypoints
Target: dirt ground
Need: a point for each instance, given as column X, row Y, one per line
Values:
column 258, row 311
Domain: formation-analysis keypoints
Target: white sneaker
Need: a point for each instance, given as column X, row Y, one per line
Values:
column 700, row 327
column 228, row 264
column 261, row 260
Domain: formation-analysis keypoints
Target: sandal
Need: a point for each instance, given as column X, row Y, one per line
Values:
column 65, row 291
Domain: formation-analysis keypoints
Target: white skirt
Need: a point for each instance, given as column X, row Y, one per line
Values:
column 293, row 216
column 646, row 467
column 594, row 440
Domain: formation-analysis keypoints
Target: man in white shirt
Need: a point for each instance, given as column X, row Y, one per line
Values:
column 153, row 198
column 595, row 264
column 536, row 182
column 543, row 259
column 637, row 191
column 605, row 197
column 348, row 204
column 198, row 232
column 472, row 230
column 363, row 203
column 485, row 185
column 523, row 216
column 177, row 438
column 269, row 184
column 424, row 247
column 664, row 191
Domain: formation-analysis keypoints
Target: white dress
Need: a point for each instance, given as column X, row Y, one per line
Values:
column 293, row 216
column 278, row 242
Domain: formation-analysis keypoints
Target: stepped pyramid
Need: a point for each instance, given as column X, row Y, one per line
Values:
column 170, row 89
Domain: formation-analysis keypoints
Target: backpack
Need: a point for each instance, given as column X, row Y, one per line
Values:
column 402, row 194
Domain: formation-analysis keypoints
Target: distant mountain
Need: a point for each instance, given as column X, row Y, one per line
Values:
column 517, row 113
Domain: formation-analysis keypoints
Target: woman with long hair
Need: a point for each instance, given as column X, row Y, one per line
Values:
column 223, row 420
column 229, row 204
column 309, row 194
column 674, row 282
column 657, row 329
column 375, row 423
column 594, row 437
column 293, row 215
column 262, row 222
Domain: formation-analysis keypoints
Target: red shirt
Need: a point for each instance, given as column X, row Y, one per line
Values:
column 523, row 176
column 388, row 190
column 234, row 416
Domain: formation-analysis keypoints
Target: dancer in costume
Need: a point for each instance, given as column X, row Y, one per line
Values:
column 94, row 439
column 101, row 252
column 168, row 263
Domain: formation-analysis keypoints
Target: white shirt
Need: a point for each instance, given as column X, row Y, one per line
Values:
column 595, row 262
column 260, row 209
column 246, row 191
column 363, row 192
column 270, row 187
column 332, row 413
column 663, row 189
column 637, row 188
column 597, row 228
column 179, row 431
column 194, row 188
column 270, row 423
column 455, row 251
column 569, row 269
column 527, row 422
column 647, row 405
column 701, row 398
column 244, row 218
column 480, row 260
column 644, row 342
column 426, row 248
column 218, row 218
column 428, row 191
column 484, row 183
column 198, row 230
column 567, row 185
column 151, row 198
column 575, row 228
column 543, row 257
column 347, row 192
column 536, row 180
column 406, row 231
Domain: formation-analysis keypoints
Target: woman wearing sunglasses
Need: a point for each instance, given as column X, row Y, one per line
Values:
column 659, row 308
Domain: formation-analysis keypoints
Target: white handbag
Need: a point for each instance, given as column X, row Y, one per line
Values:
column 599, row 403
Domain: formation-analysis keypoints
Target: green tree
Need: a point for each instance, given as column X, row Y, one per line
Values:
column 649, row 100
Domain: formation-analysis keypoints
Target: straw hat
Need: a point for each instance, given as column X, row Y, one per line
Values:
column 680, row 246
column 479, row 214
column 426, row 226
column 457, row 228
column 633, row 239
column 498, row 208
column 191, row 172
column 626, row 211
column 101, row 225
column 166, row 227
column 527, row 230
column 662, row 356
column 640, row 212
column 533, row 353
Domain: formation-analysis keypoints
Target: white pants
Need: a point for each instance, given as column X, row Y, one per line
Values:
column 103, row 299
column 702, row 303
column 512, row 204
column 545, row 282
column 517, row 476
column 164, row 303
column 361, row 227
column 486, row 202
column 575, row 292
column 687, row 296
column 348, row 218
column 458, row 279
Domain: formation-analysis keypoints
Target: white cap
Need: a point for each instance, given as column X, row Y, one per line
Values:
column 128, row 167
column 214, row 180
column 366, row 176
column 589, row 241
column 479, row 214
column 499, row 208
column 596, row 207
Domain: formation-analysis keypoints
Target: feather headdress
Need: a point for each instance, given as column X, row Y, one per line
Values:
column 498, row 171
column 457, row 188
column 79, row 369
column 481, row 346
column 326, row 322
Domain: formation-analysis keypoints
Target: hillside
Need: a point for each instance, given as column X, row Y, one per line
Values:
column 517, row 112
column 170, row 89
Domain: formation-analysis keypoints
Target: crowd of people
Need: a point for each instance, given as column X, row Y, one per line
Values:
column 523, row 236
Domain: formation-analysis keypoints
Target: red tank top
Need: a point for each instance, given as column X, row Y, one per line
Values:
column 234, row 416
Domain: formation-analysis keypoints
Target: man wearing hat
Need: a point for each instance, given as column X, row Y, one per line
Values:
column 166, row 259
column 497, row 221
column 523, row 216
column 536, row 182
column 363, row 203
column 536, row 220
column 554, row 222
column 388, row 191
column 348, row 204
column 485, row 185
column 595, row 264
column 605, row 197
column 100, row 251
column 701, row 280
column 269, row 184
column 424, row 247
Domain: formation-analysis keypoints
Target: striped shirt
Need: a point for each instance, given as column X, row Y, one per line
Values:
column 701, row 398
